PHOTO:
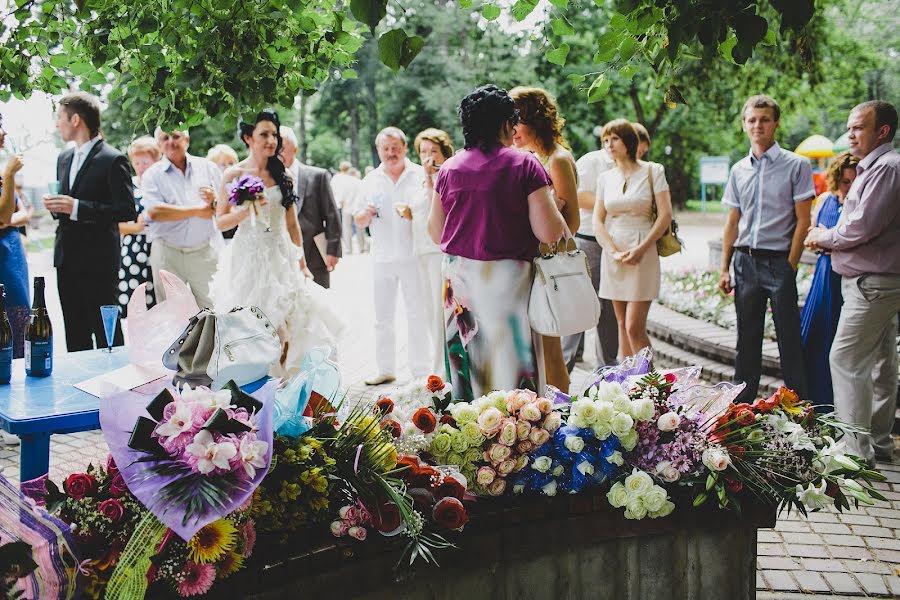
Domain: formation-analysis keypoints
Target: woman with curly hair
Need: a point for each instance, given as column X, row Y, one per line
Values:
column 264, row 264
column 822, row 309
column 491, row 209
column 540, row 131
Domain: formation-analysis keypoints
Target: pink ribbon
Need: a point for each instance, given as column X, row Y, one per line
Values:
column 356, row 461
column 82, row 567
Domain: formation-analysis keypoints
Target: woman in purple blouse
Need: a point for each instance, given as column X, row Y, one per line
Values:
column 493, row 206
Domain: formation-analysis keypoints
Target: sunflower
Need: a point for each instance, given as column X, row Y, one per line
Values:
column 212, row 542
column 231, row 564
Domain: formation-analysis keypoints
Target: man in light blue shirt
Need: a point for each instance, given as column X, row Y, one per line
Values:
column 179, row 196
column 769, row 194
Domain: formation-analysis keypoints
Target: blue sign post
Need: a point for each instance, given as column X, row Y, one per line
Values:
column 713, row 171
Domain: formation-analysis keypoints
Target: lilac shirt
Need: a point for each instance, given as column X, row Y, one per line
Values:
column 485, row 198
column 867, row 236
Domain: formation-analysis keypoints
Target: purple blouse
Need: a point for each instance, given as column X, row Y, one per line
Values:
column 485, row 199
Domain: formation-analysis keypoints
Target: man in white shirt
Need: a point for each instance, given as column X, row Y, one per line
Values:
column 386, row 192
column 590, row 167
column 179, row 196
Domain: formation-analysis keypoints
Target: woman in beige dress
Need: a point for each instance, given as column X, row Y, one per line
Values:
column 623, row 223
column 540, row 131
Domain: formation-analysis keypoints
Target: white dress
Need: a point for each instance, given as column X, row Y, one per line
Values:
column 260, row 267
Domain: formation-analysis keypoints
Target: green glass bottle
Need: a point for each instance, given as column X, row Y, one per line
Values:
column 39, row 336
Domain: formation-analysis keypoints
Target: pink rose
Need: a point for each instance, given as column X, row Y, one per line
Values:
column 349, row 513
column 112, row 509
column 552, row 422
column 358, row 533
column 668, row 421
column 508, row 432
column 497, row 487
column 530, row 412
column 490, row 421
column 539, row 437
column 506, row 467
column 545, row 406
column 485, row 475
column 523, row 429
column 521, row 463
column 497, row 453
column 339, row 528
column 524, row 447
column 516, row 400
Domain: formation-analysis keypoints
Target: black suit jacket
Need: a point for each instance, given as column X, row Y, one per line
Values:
column 105, row 198
column 318, row 211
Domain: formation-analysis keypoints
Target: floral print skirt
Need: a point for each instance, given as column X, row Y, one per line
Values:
column 490, row 344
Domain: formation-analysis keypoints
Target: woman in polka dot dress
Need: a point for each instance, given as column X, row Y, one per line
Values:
column 135, row 267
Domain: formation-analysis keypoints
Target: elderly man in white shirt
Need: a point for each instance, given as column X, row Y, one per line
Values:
column 179, row 198
column 386, row 194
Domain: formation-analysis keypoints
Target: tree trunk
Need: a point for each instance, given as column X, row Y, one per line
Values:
column 679, row 180
column 372, row 106
column 354, row 135
column 302, row 138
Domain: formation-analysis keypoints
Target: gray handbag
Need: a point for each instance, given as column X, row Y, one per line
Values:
column 239, row 345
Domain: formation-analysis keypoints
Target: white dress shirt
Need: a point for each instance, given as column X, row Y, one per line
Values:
column 78, row 157
column 392, row 236
column 590, row 167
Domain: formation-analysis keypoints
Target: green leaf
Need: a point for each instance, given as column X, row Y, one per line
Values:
column 490, row 11
column 369, row 12
column 60, row 61
column 577, row 79
column 727, row 46
column 522, row 8
column 560, row 26
column 618, row 22
column 557, row 56
column 599, row 88
column 561, row 4
column 608, row 45
column 627, row 48
column 396, row 49
column 348, row 74
column 627, row 72
column 465, row 3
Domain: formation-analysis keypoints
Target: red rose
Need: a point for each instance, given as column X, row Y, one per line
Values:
column 425, row 420
column 408, row 461
column 111, row 468
column 435, row 384
column 385, row 405
column 117, row 487
column 112, row 509
column 734, row 486
column 422, row 477
column 450, row 513
column 450, row 487
column 387, row 518
column 392, row 426
column 448, row 420
column 670, row 378
column 79, row 485
column 743, row 414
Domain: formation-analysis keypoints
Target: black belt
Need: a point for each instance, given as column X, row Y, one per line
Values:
column 586, row 237
column 762, row 252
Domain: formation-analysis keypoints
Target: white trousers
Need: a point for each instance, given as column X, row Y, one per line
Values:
column 194, row 266
column 387, row 278
column 433, row 290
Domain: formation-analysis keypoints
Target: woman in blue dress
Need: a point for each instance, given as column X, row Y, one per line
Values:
column 819, row 318
column 13, row 266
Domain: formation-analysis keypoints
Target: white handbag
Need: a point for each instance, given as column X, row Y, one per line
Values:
column 214, row 349
column 563, row 299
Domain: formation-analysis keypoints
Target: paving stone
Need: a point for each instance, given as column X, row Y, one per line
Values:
column 872, row 584
column 843, row 583
column 822, row 517
column 838, row 528
column 782, row 563
column 886, row 543
column 843, row 540
column 893, row 582
column 888, row 513
column 891, row 556
column 810, row 581
column 768, row 536
column 805, row 538
column 872, row 531
column 770, row 549
column 807, row 550
column 795, row 526
column 760, row 582
column 781, row 581
column 868, row 566
column 858, row 519
column 822, row 564
column 891, row 523
column 854, row 552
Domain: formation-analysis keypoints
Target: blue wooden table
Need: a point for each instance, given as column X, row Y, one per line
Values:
column 34, row 408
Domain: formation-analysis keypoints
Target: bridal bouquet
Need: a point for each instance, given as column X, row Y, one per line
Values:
column 247, row 189
column 411, row 412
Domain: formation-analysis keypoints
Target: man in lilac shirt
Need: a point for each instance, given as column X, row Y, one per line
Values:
column 865, row 247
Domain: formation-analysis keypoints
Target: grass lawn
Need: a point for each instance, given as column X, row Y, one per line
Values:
column 712, row 206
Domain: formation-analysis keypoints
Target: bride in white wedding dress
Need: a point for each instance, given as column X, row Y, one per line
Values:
column 263, row 265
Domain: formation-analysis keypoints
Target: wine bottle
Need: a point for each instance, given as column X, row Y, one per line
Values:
column 6, row 340
column 39, row 336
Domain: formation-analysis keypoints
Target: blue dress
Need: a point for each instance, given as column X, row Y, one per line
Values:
column 819, row 318
column 14, row 276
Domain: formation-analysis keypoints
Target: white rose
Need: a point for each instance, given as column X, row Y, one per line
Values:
column 666, row 510
column 622, row 403
column 611, row 392
column 585, row 410
column 716, row 458
column 629, row 440
column 617, row 495
column 542, row 464
column 518, row 488
column 667, row 472
column 621, row 424
column 637, row 483
column 463, row 413
column 615, row 458
column 602, row 430
column 654, row 498
column 576, row 421
column 668, row 421
column 643, row 409
column 573, row 443
column 585, row 468
column 605, row 410
column 550, row 488
column 557, row 470
column 498, row 399
column 635, row 509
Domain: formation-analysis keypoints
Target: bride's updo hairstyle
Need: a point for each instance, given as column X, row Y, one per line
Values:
column 483, row 112
column 273, row 164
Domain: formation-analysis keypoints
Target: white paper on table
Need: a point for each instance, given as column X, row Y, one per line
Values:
column 127, row 378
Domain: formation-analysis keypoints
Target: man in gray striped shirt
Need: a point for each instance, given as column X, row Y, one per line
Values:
column 768, row 195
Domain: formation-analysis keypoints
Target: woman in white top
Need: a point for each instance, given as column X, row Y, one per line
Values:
column 433, row 147
column 624, row 225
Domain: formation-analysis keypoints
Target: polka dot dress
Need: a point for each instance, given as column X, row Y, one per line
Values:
column 135, row 267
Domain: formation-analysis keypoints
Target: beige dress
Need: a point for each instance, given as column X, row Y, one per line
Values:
column 628, row 220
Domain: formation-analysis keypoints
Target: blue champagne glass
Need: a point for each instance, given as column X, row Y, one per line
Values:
column 110, row 314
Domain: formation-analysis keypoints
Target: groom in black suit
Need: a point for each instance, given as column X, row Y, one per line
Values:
column 96, row 194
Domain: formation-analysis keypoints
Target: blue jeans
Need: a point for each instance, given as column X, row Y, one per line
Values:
column 758, row 281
